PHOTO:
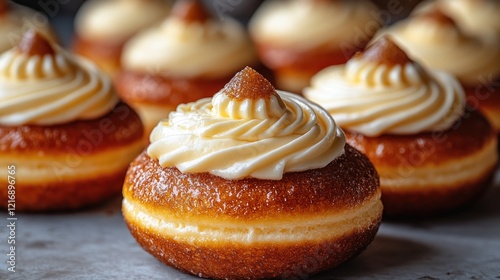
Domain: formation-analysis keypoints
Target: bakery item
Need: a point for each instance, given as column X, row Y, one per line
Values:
column 191, row 55
column 437, row 42
column 102, row 27
column 63, row 128
column 298, row 38
column 432, row 155
column 251, row 184
column 16, row 19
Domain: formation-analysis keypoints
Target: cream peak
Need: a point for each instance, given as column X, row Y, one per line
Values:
column 384, row 51
column 249, row 84
column 33, row 43
column 438, row 16
column 190, row 11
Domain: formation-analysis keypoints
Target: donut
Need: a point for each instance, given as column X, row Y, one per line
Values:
column 225, row 198
column 435, row 172
column 62, row 129
column 434, row 154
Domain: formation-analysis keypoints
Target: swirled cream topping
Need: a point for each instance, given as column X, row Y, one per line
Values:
column 473, row 16
column 118, row 20
column 247, row 130
column 190, row 43
column 307, row 24
column 434, row 40
column 381, row 91
column 17, row 19
column 44, row 85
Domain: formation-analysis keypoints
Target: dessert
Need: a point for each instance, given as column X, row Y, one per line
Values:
column 62, row 127
column 191, row 55
column 251, row 184
column 298, row 38
column 432, row 155
column 15, row 20
column 436, row 41
column 103, row 27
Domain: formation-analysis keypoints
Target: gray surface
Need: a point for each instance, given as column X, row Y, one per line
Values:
column 95, row 244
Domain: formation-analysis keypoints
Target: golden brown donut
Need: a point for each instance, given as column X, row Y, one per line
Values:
column 433, row 153
column 318, row 218
column 217, row 206
column 458, row 160
column 71, row 165
column 64, row 132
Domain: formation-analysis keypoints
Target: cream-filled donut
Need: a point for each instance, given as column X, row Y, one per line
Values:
column 62, row 128
column 432, row 155
column 251, row 174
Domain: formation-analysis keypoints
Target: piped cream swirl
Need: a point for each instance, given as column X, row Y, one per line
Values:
column 51, row 89
column 307, row 24
column 235, row 139
column 18, row 19
column 445, row 47
column 117, row 20
column 373, row 98
column 209, row 49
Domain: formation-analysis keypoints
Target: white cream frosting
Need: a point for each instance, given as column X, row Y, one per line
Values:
column 443, row 46
column 373, row 99
column 16, row 21
column 51, row 89
column 307, row 24
column 210, row 49
column 118, row 20
column 235, row 139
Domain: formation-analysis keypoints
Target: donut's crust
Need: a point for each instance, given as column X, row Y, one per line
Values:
column 486, row 98
column 105, row 51
column 149, row 88
column 255, row 262
column 311, row 191
column 119, row 129
column 107, row 55
column 417, row 203
column 467, row 137
column 303, row 61
column 121, row 126
column 344, row 184
column 63, row 195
